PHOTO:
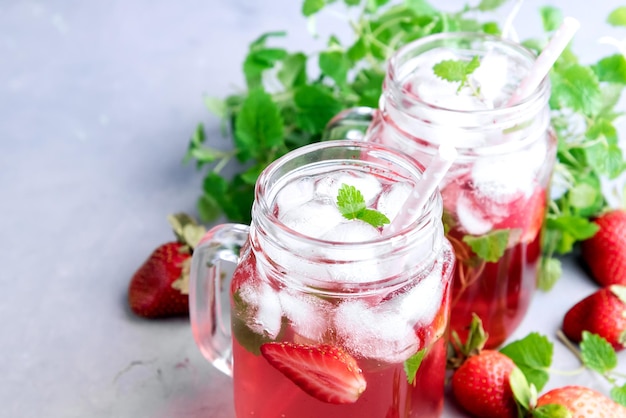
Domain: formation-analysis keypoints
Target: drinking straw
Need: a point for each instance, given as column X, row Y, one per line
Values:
column 432, row 177
column 546, row 60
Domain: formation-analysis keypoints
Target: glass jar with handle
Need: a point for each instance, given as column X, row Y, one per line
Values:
column 319, row 308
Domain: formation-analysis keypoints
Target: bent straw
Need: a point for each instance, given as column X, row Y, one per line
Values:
column 546, row 60
column 433, row 175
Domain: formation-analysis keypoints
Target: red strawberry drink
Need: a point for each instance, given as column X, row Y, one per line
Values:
column 454, row 88
column 340, row 300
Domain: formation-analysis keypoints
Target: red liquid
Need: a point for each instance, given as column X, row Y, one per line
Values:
column 261, row 391
column 499, row 293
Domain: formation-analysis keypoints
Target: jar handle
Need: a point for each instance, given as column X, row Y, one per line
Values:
column 209, row 290
column 351, row 123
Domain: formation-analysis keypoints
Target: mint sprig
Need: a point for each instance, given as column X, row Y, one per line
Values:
column 351, row 204
column 490, row 246
column 457, row 71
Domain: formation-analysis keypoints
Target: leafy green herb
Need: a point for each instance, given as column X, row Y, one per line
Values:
column 351, row 204
column 597, row 353
column 412, row 365
column 289, row 97
column 533, row 355
column 491, row 246
column 456, row 70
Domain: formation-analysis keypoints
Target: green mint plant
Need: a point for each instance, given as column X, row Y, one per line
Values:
column 290, row 96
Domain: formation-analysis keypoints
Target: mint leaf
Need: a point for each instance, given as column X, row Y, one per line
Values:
column 488, row 5
column 351, row 204
column 579, row 228
column 611, row 69
column 374, row 218
column 259, row 126
column 350, row 201
column 412, row 365
column 597, row 353
column 491, row 246
column 336, row 65
column 618, row 394
column 551, row 17
column 533, row 355
column 617, row 17
column 293, row 71
column 316, row 106
column 576, row 87
column 583, row 195
column 310, row 7
column 456, row 70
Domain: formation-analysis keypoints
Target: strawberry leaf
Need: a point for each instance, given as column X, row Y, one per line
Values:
column 533, row 355
column 491, row 246
column 524, row 393
column 551, row 410
column 597, row 354
column 550, row 272
column 412, row 365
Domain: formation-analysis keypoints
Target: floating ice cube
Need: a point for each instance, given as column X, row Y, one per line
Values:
column 471, row 216
column 375, row 333
column 313, row 218
column 492, row 77
column 503, row 179
column 420, row 304
column 265, row 310
column 309, row 315
column 295, row 194
column 367, row 184
column 352, row 231
column 393, row 199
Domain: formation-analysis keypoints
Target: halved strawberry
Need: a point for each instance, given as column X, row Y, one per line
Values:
column 323, row 371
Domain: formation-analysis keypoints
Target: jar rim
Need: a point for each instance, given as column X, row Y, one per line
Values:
column 393, row 66
column 268, row 220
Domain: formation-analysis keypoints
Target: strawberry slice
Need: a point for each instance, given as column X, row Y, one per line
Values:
column 323, row 371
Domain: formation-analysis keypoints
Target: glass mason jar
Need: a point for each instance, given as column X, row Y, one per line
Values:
column 495, row 195
column 329, row 317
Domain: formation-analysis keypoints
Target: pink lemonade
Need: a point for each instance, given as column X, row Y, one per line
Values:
column 339, row 302
column 381, row 310
column 495, row 194
column 264, row 392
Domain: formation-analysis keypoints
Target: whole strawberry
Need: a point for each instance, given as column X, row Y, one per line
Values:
column 160, row 287
column 605, row 252
column 481, row 385
column 602, row 313
column 582, row 402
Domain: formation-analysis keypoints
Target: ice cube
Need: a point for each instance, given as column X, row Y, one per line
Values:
column 265, row 310
column 309, row 315
column 503, row 179
column 313, row 218
column 420, row 304
column 295, row 194
column 393, row 199
column 354, row 230
column 374, row 332
column 368, row 185
column 492, row 77
column 471, row 216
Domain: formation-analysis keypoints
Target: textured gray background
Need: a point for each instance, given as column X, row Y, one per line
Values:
column 97, row 102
